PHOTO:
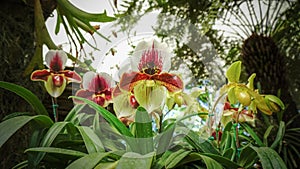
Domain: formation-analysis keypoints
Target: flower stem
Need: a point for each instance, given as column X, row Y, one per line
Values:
column 55, row 110
column 237, row 136
column 160, row 122
column 210, row 115
column 237, row 142
column 217, row 135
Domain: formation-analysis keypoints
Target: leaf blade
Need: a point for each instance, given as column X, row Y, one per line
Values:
column 143, row 131
column 269, row 158
column 57, row 151
column 113, row 120
column 92, row 142
column 10, row 126
column 27, row 95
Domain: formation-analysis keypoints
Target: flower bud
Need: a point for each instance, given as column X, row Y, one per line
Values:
column 262, row 106
column 274, row 103
column 178, row 99
column 214, row 134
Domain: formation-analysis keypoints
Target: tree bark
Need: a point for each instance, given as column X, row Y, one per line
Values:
column 17, row 48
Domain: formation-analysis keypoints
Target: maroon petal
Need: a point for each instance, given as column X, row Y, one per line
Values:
column 71, row 76
column 227, row 106
column 40, row 75
column 85, row 94
column 172, row 82
column 128, row 80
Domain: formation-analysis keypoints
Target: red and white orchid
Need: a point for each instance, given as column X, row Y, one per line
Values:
column 55, row 78
column 149, row 80
column 97, row 87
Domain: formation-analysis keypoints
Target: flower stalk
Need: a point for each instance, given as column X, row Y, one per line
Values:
column 55, row 108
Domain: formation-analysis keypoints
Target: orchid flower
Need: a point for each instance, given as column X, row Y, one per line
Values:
column 230, row 113
column 189, row 101
column 149, row 80
column 55, row 78
column 96, row 87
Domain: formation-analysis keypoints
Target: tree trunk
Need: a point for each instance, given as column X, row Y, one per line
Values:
column 17, row 49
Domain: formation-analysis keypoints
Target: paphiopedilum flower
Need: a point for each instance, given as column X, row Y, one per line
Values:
column 189, row 101
column 96, row 87
column 230, row 113
column 55, row 78
column 149, row 80
column 246, row 95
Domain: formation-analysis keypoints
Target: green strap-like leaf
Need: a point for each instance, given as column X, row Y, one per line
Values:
column 164, row 139
column 96, row 122
column 280, row 135
column 72, row 115
column 92, row 142
column 267, row 133
column 57, row 151
column 58, row 22
column 10, row 126
column 80, row 14
column 247, row 157
column 211, row 163
column 143, row 123
column 48, row 139
column 107, row 165
column 32, row 99
column 252, row 134
column 23, row 164
column 160, row 162
column 200, row 144
column 88, row 161
column 52, row 133
column 143, row 131
column 112, row 120
column 175, row 158
column 227, row 163
column 269, row 158
column 131, row 160
column 229, row 152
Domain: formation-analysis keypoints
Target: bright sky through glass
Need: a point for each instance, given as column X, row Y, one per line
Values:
column 104, row 60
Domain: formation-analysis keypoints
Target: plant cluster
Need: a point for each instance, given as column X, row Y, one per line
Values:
column 137, row 133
